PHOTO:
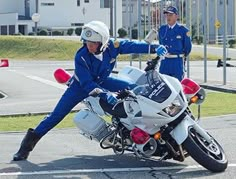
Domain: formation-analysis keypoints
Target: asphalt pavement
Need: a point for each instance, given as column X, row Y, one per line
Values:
column 29, row 87
column 63, row 153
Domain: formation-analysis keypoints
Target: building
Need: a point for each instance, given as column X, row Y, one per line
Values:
column 15, row 15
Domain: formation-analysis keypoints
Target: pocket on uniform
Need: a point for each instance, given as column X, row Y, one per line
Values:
column 178, row 43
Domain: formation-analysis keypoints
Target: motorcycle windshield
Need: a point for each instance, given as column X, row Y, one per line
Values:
column 153, row 87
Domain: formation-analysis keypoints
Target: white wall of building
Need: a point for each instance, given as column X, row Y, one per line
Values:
column 119, row 15
column 61, row 14
column 8, row 18
column 8, row 6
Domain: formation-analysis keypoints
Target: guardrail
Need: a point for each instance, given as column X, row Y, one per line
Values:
column 220, row 38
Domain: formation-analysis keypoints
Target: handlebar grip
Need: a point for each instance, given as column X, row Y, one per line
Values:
column 151, row 65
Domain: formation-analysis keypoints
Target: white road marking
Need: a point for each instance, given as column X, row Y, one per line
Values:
column 42, row 80
column 48, row 82
column 103, row 170
column 4, row 94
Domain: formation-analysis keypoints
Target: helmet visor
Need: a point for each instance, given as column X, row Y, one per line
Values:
column 90, row 35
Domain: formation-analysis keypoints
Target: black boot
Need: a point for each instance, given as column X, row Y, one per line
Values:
column 27, row 145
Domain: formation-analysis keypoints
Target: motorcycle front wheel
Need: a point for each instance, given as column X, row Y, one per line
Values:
column 209, row 155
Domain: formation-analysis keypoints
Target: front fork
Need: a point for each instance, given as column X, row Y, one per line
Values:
column 180, row 132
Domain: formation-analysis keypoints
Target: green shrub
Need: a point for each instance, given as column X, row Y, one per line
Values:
column 78, row 31
column 70, row 31
column 134, row 34
column 231, row 43
column 122, row 32
column 43, row 32
column 198, row 40
column 31, row 33
column 55, row 33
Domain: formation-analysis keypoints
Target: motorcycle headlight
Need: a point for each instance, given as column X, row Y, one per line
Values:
column 174, row 108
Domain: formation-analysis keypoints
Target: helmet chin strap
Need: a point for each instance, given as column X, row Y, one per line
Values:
column 98, row 49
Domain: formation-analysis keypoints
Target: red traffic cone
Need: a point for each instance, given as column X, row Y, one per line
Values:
column 4, row 63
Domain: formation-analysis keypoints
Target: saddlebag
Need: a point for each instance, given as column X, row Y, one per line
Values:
column 91, row 125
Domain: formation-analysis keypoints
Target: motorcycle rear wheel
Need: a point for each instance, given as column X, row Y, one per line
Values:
column 209, row 155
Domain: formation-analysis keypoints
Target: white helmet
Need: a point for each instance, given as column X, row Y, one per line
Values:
column 96, row 31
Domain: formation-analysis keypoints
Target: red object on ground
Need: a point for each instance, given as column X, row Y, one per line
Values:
column 4, row 63
column 61, row 75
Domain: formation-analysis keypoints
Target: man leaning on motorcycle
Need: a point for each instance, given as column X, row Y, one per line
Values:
column 94, row 62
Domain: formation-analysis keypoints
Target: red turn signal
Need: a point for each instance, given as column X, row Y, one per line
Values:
column 139, row 136
column 190, row 86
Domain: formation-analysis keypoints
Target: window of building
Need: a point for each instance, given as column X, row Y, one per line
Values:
column 130, row 8
column 104, row 3
column 47, row 4
column 3, row 30
column 78, row 2
column 86, row 1
column 11, row 29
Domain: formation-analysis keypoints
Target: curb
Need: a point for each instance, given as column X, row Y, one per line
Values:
column 220, row 89
column 32, row 114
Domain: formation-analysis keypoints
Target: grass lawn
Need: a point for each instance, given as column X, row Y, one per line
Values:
column 15, row 47
column 30, row 48
column 216, row 104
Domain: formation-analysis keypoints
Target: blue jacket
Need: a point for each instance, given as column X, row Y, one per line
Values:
column 92, row 71
column 176, row 40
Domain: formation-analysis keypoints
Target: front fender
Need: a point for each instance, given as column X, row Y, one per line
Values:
column 180, row 132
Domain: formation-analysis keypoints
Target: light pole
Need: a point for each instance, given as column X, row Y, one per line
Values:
column 224, row 41
column 36, row 16
column 204, row 39
column 115, row 21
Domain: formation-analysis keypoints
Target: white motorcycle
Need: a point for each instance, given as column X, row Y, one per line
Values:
column 153, row 120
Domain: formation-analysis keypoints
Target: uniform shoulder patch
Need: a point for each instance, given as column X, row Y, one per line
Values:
column 116, row 44
column 188, row 34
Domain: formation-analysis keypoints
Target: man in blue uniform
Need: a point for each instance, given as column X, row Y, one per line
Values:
column 176, row 39
column 93, row 65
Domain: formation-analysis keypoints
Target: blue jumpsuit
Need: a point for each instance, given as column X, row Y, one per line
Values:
column 178, row 43
column 90, row 73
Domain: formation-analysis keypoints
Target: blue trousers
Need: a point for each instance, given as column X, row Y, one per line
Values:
column 173, row 67
column 71, row 97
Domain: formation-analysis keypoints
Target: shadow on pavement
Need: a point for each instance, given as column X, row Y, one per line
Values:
column 84, row 162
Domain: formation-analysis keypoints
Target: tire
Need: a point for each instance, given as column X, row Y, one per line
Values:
column 211, row 157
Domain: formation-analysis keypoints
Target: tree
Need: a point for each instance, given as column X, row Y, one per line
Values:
column 122, row 32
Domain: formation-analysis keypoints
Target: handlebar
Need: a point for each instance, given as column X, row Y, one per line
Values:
column 151, row 64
